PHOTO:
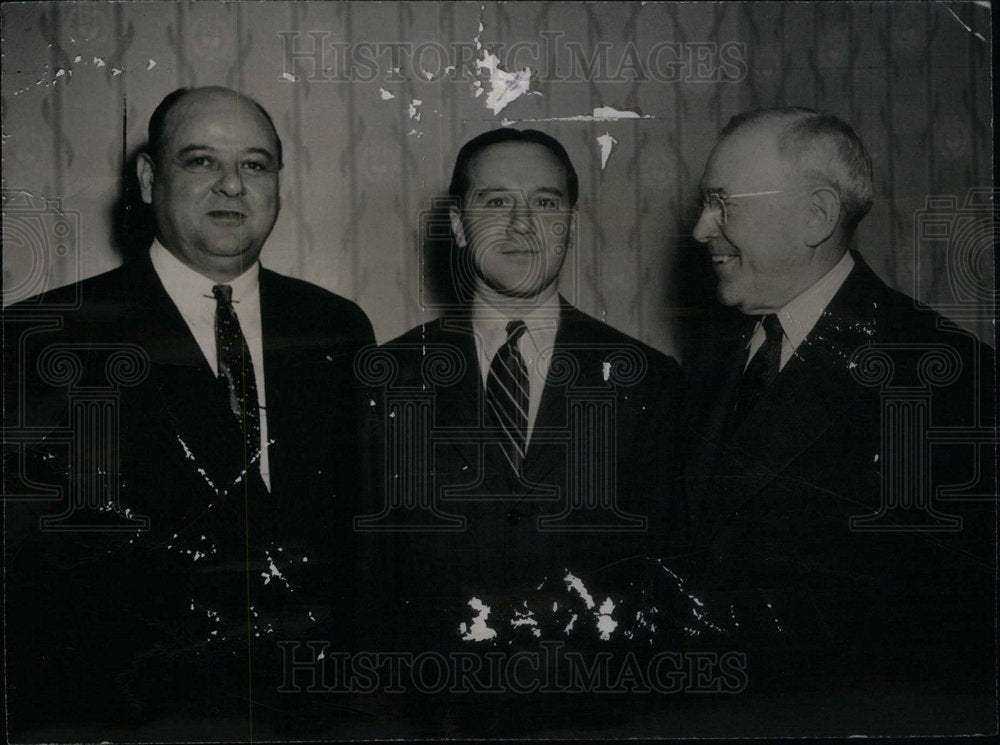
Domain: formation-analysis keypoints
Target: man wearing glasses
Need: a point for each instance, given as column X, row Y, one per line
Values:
column 812, row 483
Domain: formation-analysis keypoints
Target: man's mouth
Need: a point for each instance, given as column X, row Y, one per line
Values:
column 227, row 216
column 723, row 259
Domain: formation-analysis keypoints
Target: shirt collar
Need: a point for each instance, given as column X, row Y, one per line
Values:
column 541, row 319
column 188, row 288
column 801, row 314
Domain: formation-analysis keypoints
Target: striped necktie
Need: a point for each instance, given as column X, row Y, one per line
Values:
column 507, row 396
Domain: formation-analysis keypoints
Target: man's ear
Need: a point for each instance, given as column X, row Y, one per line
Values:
column 144, row 170
column 824, row 215
column 457, row 229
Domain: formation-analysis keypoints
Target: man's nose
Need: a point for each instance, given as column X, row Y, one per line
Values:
column 707, row 226
column 521, row 220
column 230, row 181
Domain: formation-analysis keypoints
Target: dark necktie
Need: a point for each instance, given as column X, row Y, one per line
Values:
column 507, row 396
column 762, row 370
column 236, row 369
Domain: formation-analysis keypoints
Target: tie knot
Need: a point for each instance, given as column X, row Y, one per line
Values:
column 223, row 293
column 514, row 331
column 772, row 328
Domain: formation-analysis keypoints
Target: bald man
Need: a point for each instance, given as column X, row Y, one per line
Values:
column 205, row 517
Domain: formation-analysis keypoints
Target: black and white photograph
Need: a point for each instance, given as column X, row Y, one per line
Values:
column 498, row 370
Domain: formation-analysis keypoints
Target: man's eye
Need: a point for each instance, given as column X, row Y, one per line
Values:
column 252, row 165
column 546, row 203
column 199, row 163
column 498, row 202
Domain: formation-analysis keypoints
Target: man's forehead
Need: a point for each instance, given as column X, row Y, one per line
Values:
column 516, row 165
column 746, row 159
column 215, row 114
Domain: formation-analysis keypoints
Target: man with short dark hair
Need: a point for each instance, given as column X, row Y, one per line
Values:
column 813, row 486
column 548, row 447
column 207, row 515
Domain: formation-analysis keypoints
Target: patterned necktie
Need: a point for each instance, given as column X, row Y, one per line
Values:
column 236, row 369
column 507, row 396
column 762, row 370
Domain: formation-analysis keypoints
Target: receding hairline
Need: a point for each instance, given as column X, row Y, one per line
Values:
column 191, row 96
column 817, row 145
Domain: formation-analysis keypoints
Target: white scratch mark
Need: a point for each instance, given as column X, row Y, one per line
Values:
column 606, row 141
column 479, row 631
column 414, row 110
column 503, row 87
column 962, row 23
column 384, row 94
column 99, row 62
column 116, row 72
column 523, row 618
column 575, row 583
column 274, row 572
column 151, row 64
column 606, row 371
column 600, row 114
column 289, row 77
column 605, row 623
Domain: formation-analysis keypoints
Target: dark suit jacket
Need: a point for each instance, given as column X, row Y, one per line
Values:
column 845, row 429
column 481, row 532
column 142, row 608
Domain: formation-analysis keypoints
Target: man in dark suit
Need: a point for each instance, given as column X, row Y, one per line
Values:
column 181, row 469
column 528, row 446
column 839, row 445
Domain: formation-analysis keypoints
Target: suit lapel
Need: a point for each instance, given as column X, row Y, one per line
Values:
column 190, row 397
column 462, row 406
column 545, row 457
column 280, row 379
column 809, row 394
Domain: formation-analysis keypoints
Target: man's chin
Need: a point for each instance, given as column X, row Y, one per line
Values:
column 517, row 289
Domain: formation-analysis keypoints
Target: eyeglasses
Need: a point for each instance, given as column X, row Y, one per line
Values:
column 717, row 201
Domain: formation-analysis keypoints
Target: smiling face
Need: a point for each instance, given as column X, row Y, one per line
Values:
column 760, row 255
column 214, row 185
column 516, row 222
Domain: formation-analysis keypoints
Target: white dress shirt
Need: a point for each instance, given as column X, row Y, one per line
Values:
column 801, row 314
column 489, row 325
column 191, row 292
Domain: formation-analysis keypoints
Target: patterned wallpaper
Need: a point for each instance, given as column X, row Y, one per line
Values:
column 372, row 101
